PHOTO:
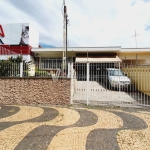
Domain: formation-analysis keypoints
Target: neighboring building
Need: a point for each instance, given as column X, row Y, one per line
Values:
column 14, row 50
column 135, row 55
column 18, row 39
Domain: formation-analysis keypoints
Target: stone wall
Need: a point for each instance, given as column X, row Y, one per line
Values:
column 34, row 91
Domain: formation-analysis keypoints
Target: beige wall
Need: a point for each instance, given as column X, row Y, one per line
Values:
column 34, row 91
column 140, row 75
column 131, row 57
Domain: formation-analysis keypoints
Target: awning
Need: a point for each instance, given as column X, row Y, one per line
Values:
column 98, row 60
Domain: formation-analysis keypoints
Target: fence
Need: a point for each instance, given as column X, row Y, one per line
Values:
column 140, row 75
column 9, row 69
column 91, row 83
column 111, row 83
column 24, row 69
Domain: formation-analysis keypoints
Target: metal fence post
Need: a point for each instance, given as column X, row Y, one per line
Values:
column 119, row 77
column 21, row 69
column 87, row 84
column 71, row 96
column 119, row 81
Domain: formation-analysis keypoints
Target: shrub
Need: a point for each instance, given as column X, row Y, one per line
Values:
column 38, row 73
column 8, row 68
column 18, row 59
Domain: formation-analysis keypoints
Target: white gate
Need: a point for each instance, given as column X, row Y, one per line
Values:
column 109, row 84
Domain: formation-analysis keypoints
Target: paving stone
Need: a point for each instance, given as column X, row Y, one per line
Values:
column 74, row 128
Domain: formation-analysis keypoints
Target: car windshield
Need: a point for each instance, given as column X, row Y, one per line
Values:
column 115, row 73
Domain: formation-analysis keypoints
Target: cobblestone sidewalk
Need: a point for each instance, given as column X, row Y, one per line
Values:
column 73, row 128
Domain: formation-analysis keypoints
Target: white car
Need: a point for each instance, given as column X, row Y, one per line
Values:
column 117, row 79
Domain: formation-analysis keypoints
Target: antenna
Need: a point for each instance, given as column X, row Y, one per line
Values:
column 135, row 38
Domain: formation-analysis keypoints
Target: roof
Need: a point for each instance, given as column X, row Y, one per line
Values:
column 132, row 50
column 79, row 49
column 115, row 49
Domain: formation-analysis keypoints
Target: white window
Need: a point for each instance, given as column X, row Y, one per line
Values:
column 50, row 63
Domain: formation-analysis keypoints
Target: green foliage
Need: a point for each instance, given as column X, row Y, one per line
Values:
column 8, row 68
column 38, row 73
column 18, row 59
column 41, row 73
column 4, row 67
column 11, row 68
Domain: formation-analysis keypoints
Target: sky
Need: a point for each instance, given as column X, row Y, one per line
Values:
column 92, row 23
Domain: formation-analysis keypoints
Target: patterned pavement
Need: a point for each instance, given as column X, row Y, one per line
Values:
column 73, row 128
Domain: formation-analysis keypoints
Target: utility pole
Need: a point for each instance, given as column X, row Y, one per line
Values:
column 65, row 22
column 135, row 38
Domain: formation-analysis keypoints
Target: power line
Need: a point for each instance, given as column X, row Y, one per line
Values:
column 56, row 33
column 11, row 39
column 29, row 37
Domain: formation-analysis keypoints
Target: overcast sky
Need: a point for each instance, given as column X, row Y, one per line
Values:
column 91, row 22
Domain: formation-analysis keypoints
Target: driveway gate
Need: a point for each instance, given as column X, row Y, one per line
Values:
column 110, row 84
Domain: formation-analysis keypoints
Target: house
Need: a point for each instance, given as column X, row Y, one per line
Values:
column 94, row 54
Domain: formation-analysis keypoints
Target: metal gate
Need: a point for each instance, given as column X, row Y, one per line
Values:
column 110, row 84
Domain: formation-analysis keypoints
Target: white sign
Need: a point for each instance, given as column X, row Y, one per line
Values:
column 31, row 70
column 14, row 34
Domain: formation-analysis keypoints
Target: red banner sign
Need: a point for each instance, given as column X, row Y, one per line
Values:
column 1, row 32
